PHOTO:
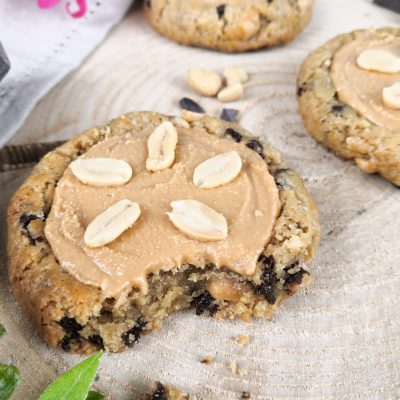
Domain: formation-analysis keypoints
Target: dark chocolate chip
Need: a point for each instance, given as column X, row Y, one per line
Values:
column 131, row 336
column 393, row 5
column 221, row 10
column 70, row 325
column 159, row 394
column 205, row 302
column 296, row 278
column 337, row 109
column 236, row 136
column 26, row 219
column 229, row 114
column 65, row 343
column 300, row 91
column 256, row 146
column 268, row 277
column 190, row 105
column 97, row 340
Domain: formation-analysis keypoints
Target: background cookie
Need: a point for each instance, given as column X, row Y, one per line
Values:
column 233, row 25
column 81, row 318
column 336, row 124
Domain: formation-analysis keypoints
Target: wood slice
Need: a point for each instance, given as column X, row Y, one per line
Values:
column 340, row 339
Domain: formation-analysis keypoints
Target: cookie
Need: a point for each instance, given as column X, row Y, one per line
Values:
column 86, row 287
column 231, row 26
column 343, row 89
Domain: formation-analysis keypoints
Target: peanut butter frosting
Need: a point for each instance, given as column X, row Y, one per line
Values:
column 250, row 204
column 362, row 89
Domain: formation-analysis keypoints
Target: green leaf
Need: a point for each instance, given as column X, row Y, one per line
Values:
column 75, row 383
column 9, row 377
column 2, row 330
column 95, row 396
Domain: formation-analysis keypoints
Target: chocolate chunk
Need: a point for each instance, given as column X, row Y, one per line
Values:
column 267, row 287
column 229, row 114
column 131, row 336
column 393, row 5
column 65, row 343
column 256, row 146
column 159, row 394
column 205, row 302
column 236, row 136
column 221, row 10
column 70, row 326
column 4, row 63
column 296, row 278
column 337, row 109
column 190, row 105
column 26, row 219
column 300, row 91
column 97, row 340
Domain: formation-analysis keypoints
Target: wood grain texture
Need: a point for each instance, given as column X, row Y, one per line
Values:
column 340, row 339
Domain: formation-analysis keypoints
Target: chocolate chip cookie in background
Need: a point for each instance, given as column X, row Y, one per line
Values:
column 67, row 305
column 347, row 91
column 230, row 25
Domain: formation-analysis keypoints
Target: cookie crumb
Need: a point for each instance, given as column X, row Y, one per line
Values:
column 243, row 340
column 207, row 360
column 233, row 367
column 246, row 396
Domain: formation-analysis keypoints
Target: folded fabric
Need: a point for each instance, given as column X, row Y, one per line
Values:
column 43, row 46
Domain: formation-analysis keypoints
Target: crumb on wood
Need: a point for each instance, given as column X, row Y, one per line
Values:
column 243, row 340
column 234, row 368
column 207, row 360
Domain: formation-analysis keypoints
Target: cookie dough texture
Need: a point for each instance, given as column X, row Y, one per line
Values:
column 81, row 318
column 335, row 124
column 231, row 25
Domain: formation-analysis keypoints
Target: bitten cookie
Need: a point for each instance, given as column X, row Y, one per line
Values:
column 232, row 25
column 349, row 97
column 148, row 215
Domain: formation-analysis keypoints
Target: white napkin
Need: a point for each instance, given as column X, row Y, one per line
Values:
column 43, row 46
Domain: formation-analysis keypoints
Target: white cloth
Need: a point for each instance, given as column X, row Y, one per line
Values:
column 43, row 46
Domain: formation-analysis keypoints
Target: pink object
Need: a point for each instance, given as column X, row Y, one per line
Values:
column 82, row 8
column 77, row 14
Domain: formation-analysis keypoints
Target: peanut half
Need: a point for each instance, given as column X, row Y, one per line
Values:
column 101, row 171
column 111, row 223
column 198, row 221
column 161, row 147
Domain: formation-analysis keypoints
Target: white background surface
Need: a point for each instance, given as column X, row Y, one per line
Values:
column 340, row 339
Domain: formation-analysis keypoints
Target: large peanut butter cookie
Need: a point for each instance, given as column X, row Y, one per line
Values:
column 349, row 97
column 149, row 215
column 231, row 25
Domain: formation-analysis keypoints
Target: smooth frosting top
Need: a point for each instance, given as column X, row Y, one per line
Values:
column 362, row 89
column 250, row 205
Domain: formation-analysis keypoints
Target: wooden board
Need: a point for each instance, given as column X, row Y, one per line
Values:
column 340, row 338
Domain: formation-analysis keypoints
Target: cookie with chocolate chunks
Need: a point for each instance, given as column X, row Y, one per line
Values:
column 229, row 26
column 349, row 98
column 84, row 296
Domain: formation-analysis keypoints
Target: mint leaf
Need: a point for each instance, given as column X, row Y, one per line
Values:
column 9, row 377
column 2, row 330
column 75, row 383
column 95, row 396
